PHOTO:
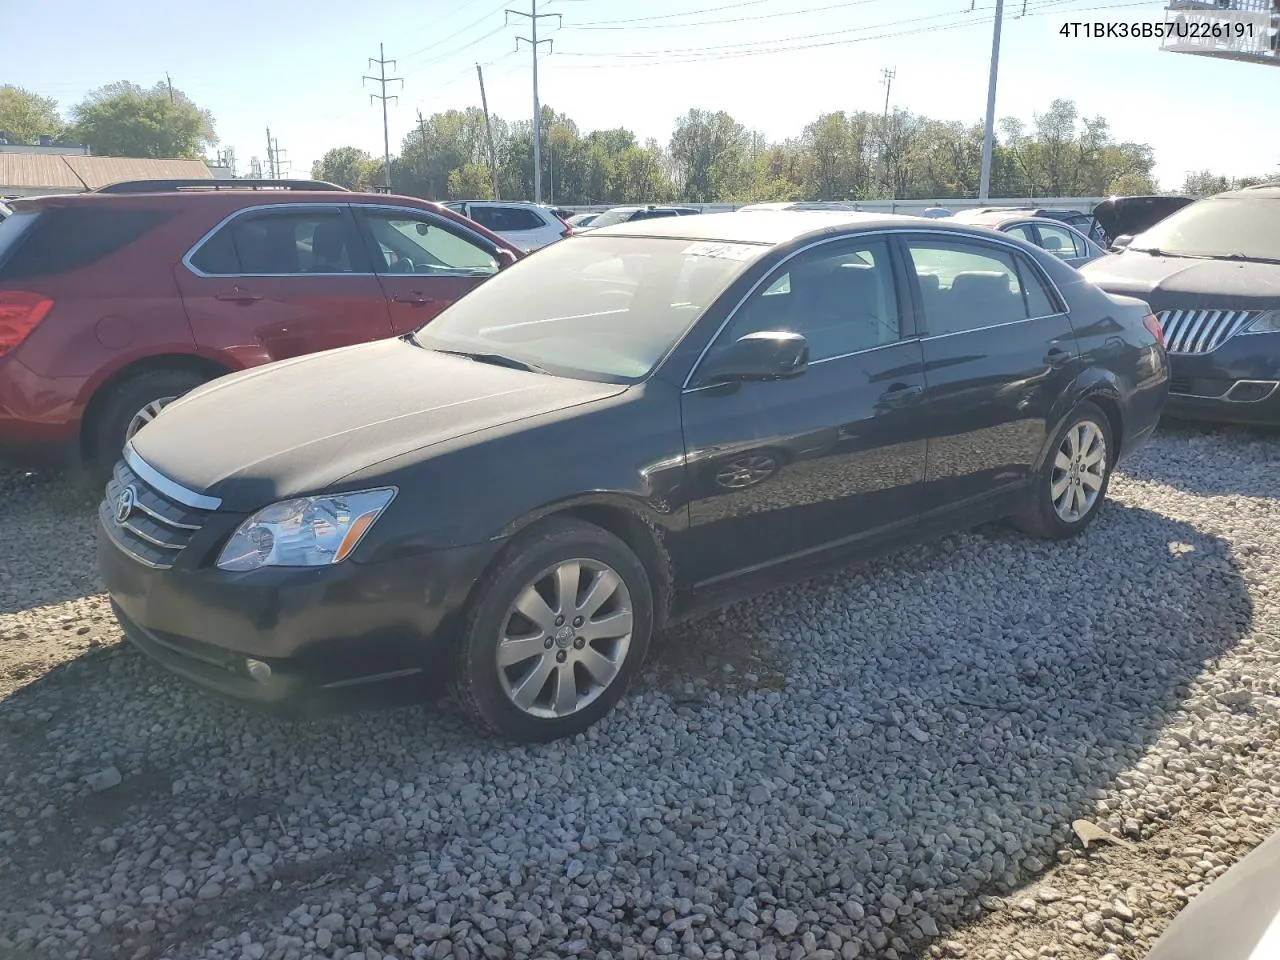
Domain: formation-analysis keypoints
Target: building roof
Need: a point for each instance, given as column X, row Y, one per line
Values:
column 76, row 173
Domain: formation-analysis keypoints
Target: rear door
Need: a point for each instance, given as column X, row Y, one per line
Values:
column 423, row 262
column 998, row 351
column 281, row 281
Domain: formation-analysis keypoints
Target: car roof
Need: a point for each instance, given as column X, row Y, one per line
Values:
column 998, row 218
column 767, row 227
column 1263, row 191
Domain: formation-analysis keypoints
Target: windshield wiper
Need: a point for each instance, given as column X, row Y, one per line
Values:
column 496, row 359
column 1245, row 256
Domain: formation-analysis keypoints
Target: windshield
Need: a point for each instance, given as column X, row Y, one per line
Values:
column 592, row 307
column 610, row 217
column 1218, row 227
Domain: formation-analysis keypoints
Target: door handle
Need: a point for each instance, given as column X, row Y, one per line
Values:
column 1056, row 357
column 900, row 394
column 417, row 300
column 239, row 296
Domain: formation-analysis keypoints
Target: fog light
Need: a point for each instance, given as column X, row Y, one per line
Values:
column 258, row 670
column 1251, row 391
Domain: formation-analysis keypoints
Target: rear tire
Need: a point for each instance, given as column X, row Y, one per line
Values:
column 1070, row 488
column 556, row 633
column 125, row 409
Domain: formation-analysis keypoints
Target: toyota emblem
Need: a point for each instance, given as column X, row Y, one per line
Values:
column 125, row 503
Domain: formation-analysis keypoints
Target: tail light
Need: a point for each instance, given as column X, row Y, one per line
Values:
column 568, row 230
column 19, row 313
column 1153, row 327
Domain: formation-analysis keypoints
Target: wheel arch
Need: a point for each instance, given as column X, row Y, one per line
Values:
column 1099, row 389
column 186, row 362
column 627, row 519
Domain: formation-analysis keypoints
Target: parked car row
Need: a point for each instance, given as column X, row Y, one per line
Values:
column 753, row 397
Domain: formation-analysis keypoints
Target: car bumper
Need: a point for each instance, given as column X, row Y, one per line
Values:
column 39, row 417
column 302, row 642
column 1237, row 383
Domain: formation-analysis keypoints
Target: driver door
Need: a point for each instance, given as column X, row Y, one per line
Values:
column 424, row 263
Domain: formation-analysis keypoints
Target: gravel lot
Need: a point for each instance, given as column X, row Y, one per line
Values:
column 885, row 762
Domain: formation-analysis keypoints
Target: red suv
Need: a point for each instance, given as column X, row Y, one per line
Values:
column 116, row 302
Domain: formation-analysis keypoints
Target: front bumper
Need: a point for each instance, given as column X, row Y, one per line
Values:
column 299, row 641
column 1239, row 382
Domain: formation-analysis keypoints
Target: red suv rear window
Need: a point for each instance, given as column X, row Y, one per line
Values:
column 71, row 237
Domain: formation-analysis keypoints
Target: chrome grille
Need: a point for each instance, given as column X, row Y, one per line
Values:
column 156, row 528
column 1200, row 331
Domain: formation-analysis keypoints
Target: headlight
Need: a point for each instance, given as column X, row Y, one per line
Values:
column 305, row 532
column 1269, row 322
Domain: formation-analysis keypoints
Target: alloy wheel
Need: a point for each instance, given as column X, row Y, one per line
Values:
column 146, row 415
column 746, row 471
column 1079, row 471
column 565, row 638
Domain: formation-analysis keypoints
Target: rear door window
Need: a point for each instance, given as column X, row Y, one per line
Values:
column 1059, row 241
column 965, row 285
column 506, row 219
column 282, row 243
column 60, row 239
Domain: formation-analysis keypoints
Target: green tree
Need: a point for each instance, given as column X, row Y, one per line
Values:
column 27, row 116
column 348, row 167
column 708, row 150
column 1202, row 183
column 124, row 120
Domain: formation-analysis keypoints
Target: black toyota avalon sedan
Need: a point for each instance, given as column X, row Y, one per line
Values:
column 635, row 424
column 1211, row 273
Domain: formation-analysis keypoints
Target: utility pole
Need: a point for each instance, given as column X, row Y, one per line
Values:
column 988, row 134
column 886, row 77
column 271, row 156
column 488, row 126
column 422, row 130
column 533, row 41
column 170, row 83
column 383, row 79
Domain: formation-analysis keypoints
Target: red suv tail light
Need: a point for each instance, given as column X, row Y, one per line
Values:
column 19, row 314
column 1153, row 327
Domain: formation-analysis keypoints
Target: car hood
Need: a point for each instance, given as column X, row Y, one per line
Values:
column 301, row 425
column 1237, row 917
column 1132, row 215
column 1182, row 283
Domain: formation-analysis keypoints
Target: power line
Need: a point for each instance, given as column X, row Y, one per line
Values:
column 728, row 52
column 452, row 53
column 629, row 24
column 456, row 33
column 534, row 16
column 686, row 13
column 383, row 79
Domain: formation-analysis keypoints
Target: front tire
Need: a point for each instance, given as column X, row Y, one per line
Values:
column 556, row 633
column 1070, row 488
column 129, row 407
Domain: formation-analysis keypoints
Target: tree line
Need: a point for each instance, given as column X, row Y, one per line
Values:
column 711, row 157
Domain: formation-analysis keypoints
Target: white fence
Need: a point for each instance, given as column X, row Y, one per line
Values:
column 907, row 207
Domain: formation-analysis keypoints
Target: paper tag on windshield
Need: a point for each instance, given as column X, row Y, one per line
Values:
column 721, row 251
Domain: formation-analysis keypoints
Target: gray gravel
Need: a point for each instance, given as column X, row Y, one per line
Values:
column 888, row 767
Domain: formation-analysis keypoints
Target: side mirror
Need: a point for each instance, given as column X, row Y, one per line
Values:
column 765, row 355
column 1122, row 241
column 505, row 258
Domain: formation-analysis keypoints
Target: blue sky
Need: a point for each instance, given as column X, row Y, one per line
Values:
column 635, row 63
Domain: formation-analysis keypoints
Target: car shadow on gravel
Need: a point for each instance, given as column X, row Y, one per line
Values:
column 915, row 731
column 1212, row 459
column 47, row 547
